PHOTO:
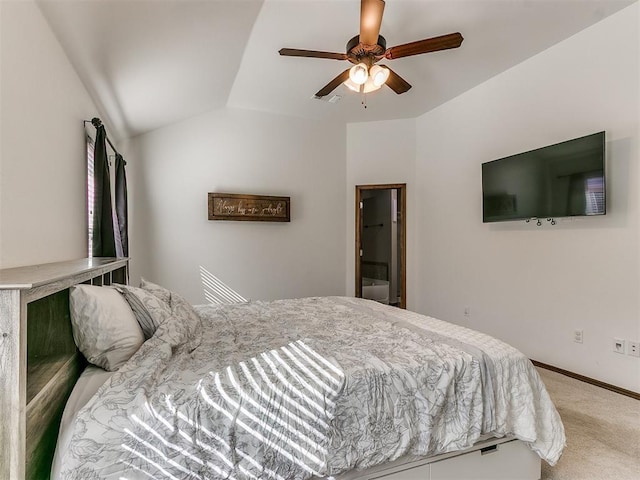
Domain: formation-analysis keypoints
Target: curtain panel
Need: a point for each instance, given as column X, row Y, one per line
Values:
column 103, row 244
column 108, row 232
column 122, row 213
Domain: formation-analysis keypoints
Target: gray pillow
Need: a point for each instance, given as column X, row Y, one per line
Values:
column 149, row 310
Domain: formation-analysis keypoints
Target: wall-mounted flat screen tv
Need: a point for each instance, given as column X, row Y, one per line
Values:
column 562, row 180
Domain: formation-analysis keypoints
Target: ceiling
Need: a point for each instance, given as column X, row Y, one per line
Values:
column 150, row 63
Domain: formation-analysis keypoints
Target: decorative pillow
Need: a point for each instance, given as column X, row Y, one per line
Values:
column 148, row 309
column 104, row 327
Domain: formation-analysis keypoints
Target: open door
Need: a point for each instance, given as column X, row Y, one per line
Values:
column 381, row 243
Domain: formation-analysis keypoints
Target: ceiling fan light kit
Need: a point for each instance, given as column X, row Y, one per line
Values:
column 368, row 48
column 359, row 73
column 379, row 75
column 367, row 87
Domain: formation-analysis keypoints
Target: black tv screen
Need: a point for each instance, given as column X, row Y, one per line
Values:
column 562, row 180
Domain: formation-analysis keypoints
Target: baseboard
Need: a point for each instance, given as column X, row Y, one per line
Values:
column 592, row 381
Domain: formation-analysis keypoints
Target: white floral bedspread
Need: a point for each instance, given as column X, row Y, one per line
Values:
column 293, row 389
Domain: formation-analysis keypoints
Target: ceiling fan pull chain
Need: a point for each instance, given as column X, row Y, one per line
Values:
column 364, row 96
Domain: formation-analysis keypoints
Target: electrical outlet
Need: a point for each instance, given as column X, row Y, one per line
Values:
column 634, row 349
column 577, row 336
column 618, row 345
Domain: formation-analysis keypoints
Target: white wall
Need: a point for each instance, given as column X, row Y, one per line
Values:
column 42, row 158
column 240, row 151
column 532, row 286
column 529, row 286
column 381, row 153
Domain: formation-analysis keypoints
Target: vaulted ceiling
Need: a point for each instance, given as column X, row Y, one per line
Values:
column 150, row 63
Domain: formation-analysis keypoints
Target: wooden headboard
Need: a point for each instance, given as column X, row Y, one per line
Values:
column 39, row 361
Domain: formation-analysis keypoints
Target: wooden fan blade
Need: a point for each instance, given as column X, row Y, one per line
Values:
column 444, row 42
column 333, row 84
column 294, row 52
column 370, row 20
column 396, row 83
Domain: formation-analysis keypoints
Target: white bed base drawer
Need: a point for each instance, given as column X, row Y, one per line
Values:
column 511, row 460
column 506, row 461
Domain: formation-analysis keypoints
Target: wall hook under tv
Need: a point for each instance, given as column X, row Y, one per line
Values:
column 539, row 222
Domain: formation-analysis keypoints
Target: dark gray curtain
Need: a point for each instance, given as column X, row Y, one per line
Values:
column 121, row 206
column 104, row 244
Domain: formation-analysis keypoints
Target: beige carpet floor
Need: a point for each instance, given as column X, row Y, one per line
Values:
column 602, row 429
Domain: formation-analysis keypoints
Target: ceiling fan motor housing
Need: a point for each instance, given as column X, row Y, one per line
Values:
column 357, row 52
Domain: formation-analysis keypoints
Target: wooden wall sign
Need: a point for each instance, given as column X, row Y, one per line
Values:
column 261, row 208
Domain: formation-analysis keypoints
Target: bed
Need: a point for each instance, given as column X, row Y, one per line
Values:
column 311, row 388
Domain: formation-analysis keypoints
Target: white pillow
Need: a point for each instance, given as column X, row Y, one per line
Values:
column 104, row 327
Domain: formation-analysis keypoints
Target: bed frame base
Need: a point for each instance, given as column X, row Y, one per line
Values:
column 494, row 459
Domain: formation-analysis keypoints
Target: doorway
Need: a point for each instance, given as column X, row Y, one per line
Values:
column 381, row 243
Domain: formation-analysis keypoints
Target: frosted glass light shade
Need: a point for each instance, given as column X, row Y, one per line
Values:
column 359, row 73
column 367, row 87
column 351, row 86
column 379, row 75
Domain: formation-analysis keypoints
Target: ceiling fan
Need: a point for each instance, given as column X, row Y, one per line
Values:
column 368, row 48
